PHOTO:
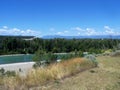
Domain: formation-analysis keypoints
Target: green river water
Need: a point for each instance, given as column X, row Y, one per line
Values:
column 15, row 59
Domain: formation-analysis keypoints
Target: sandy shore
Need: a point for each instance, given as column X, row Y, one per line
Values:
column 25, row 67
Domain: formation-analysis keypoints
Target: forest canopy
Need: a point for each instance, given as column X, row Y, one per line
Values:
column 13, row 45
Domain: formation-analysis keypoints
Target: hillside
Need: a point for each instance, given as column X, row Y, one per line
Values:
column 104, row 77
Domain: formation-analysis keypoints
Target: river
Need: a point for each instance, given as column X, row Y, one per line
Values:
column 7, row 59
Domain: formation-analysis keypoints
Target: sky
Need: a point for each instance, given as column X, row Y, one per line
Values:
column 59, row 17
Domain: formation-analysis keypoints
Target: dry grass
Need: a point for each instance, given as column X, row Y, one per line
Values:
column 104, row 77
column 57, row 71
column 41, row 76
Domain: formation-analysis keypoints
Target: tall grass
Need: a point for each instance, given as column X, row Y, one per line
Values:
column 41, row 76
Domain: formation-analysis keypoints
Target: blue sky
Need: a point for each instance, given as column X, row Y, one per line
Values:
column 59, row 17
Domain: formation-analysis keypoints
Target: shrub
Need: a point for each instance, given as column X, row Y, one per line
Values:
column 116, row 53
column 38, row 55
column 10, row 73
column 2, row 71
column 44, row 59
column 92, row 58
column 6, row 73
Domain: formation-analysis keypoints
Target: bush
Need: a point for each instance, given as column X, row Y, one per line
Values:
column 116, row 53
column 10, row 73
column 44, row 59
column 2, row 71
column 41, row 58
column 39, row 55
column 92, row 58
column 66, row 56
column 6, row 73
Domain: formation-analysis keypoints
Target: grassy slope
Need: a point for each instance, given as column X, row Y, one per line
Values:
column 105, row 77
column 42, row 76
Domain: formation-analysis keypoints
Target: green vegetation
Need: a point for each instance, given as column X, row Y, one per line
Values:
column 92, row 58
column 4, row 73
column 13, row 45
column 48, row 51
column 41, row 55
column 42, row 58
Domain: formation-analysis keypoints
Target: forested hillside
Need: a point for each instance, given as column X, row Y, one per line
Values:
column 13, row 45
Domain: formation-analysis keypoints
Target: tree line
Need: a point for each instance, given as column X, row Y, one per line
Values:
column 12, row 45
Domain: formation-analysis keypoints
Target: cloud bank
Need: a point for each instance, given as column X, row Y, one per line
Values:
column 91, row 31
column 15, row 31
column 74, row 31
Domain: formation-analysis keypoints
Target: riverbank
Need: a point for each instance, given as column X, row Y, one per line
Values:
column 13, row 55
column 21, row 68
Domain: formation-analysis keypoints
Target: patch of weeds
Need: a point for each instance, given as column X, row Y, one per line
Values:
column 2, row 71
column 10, row 73
column 92, row 71
column 7, row 73
column 116, row 86
column 118, row 83
column 57, row 81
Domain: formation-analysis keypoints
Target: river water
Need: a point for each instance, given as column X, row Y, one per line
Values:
column 7, row 59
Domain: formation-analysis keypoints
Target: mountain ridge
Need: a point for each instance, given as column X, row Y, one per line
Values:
column 83, row 37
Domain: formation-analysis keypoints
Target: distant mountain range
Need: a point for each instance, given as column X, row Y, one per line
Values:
column 65, row 37
column 83, row 37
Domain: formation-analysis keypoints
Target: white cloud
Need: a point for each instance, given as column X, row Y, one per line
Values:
column 74, row 31
column 59, row 33
column 15, row 31
column 63, row 32
column 91, row 31
column 78, row 33
column 77, row 28
column 86, row 31
column 106, row 30
column 5, row 27
column 109, row 30
column 2, row 31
